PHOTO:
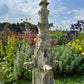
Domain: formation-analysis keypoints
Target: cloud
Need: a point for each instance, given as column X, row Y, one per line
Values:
column 69, row 12
column 56, row 9
column 75, row 14
column 60, row 15
column 18, row 9
column 79, row 14
column 55, row 14
column 3, row 8
column 65, row 22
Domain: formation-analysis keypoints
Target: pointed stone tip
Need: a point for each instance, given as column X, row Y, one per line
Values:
column 43, row 2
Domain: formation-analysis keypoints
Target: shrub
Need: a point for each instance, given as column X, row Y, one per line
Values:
column 13, row 55
column 70, row 61
column 78, row 45
column 19, row 70
column 72, row 35
column 59, row 35
column 81, row 36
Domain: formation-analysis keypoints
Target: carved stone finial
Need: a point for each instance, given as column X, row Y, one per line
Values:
column 44, row 2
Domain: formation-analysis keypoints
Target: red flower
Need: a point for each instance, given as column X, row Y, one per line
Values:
column 5, row 34
column 15, row 36
column 52, row 43
column 32, row 40
column 31, row 44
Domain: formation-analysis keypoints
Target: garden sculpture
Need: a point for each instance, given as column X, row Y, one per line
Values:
column 42, row 60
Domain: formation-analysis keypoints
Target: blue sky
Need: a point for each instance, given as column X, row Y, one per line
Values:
column 62, row 12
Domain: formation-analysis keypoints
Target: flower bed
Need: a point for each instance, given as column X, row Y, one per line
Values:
column 14, row 51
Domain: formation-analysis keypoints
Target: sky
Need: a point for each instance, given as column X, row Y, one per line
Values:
column 63, row 13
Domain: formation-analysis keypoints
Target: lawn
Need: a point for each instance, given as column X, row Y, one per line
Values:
column 69, row 80
column 60, row 80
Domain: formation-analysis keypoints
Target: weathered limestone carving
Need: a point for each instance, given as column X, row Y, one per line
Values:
column 42, row 59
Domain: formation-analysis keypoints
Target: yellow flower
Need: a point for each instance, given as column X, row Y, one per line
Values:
column 80, row 48
column 71, row 47
column 76, row 46
column 77, row 40
column 82, row 53
column 73, row 43
column 68, row 44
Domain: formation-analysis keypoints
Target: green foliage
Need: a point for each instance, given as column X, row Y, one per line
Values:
column 19, row 70
column 18, row 28
column 21, row 81
column 81, row 36
column 77, row 79
column 70, row 61
column 59, row 35
column 13, row 56
column 77, row 45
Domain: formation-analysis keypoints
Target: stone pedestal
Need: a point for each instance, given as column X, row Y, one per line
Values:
column 42, row 77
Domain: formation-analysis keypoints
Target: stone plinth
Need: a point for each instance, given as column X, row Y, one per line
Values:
column 42, row 77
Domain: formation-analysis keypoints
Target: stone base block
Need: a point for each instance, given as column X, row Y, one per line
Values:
column 42, row 77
